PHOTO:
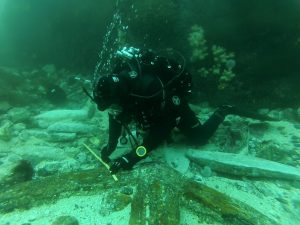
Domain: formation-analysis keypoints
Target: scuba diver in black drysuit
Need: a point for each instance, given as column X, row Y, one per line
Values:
column 151, row 90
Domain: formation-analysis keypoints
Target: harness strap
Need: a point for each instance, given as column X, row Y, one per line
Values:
column 88, row 94
column 131, row 136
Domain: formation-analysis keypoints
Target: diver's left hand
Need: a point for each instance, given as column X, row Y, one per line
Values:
column 120, row 163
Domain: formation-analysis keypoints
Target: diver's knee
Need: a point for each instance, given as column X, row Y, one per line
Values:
column 197, row 137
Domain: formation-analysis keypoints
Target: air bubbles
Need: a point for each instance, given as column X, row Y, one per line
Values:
column 110, row 44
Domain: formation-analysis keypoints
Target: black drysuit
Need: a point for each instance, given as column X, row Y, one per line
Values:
column 157, row 107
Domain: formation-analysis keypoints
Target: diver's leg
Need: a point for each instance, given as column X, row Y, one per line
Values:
column 159, row 132
column 197, row 133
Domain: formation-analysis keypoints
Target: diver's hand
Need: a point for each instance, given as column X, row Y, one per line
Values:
column 120, row 163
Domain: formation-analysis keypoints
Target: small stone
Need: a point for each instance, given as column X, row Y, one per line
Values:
column 198, row 178
column 65, row 220
column 206, row 172
column 18, row 115
column 127, row 190
column 62, row 137
column 117, row 201
column 95, row 140
column 6, row 131
column 81, row 157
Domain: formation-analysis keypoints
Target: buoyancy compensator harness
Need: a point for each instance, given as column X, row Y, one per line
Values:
column 162, row 65
column 167, row 70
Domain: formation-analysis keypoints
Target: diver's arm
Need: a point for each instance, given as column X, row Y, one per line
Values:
column 114, row 132
column 157, row 134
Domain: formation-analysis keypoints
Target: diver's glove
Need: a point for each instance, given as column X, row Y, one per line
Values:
column 127, row 161
column 121, row 163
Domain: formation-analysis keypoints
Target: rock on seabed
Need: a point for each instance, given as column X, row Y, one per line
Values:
column 47, row 118
column 243, row 165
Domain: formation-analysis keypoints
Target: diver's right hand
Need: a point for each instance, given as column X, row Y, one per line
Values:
column 105, row 152
column 121, row 163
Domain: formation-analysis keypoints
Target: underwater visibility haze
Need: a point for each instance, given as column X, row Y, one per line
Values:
column 243, row 61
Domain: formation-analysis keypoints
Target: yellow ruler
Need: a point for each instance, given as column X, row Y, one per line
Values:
column 97, row 157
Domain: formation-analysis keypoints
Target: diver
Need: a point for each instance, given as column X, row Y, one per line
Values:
column 152, row 91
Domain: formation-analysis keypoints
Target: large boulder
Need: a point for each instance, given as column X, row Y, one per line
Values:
column 45, row 119
column 71, row 127
column 62, row 137
column 242, row 165
column 65, row 220
column 36, row 154
column 46, row 168
column 42, row 134
column 17, row 115
column 25, row 135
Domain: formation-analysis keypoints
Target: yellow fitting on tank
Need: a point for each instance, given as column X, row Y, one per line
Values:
column 141, row 151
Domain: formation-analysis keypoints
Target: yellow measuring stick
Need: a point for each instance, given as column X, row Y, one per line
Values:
column 97, row 157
